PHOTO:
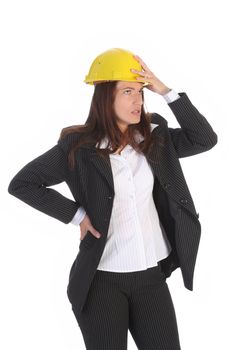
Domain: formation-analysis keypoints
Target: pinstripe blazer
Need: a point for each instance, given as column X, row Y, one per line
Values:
column 91, row 184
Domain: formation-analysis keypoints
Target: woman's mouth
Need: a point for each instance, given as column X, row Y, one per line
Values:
column 136, row 112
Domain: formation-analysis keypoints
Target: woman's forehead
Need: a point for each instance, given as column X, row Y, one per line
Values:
column 123, row 84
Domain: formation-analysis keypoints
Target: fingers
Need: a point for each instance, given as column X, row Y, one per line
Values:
column 93, row 232
column 138, row 71
column 96, row 234
column 144, row 66
column 146, row 75
column 85, row 227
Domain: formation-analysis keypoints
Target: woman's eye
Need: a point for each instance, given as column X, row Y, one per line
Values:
column 140, row 92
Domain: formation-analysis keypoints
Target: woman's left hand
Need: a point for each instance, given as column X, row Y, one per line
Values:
column 148, row 76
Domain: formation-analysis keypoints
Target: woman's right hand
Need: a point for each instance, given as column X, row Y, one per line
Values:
column 85, row 225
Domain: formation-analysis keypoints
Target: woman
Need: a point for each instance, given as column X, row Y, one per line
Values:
column 137, row 219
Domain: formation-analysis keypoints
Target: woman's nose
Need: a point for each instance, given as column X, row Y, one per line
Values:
column 138, row 97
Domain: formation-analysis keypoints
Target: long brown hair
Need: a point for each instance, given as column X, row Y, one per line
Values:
column 101, row 122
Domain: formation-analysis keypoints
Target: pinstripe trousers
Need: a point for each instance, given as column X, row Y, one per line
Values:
column 139, row 301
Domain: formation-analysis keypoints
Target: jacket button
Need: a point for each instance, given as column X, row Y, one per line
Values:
column 109, row 197
column 105, row 219
column 167, row 185
column 184, row 200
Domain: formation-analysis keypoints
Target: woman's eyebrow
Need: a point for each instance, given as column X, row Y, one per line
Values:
column 131, row 88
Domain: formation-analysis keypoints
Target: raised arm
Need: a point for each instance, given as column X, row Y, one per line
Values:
column 196, row 134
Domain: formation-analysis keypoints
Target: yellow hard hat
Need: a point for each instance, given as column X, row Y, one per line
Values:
column 114, row 64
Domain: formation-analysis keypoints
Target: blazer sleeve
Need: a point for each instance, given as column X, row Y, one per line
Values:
column 196, row 134
column 31, row 183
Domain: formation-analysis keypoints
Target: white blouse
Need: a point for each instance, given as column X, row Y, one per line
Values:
column 136, row 239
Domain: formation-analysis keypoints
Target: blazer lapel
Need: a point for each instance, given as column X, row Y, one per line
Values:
column 103, row 166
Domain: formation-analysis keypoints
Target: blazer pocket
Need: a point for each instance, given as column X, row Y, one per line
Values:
column 88, row 241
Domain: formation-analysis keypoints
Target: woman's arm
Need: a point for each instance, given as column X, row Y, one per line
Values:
column 30, row 185
column 196, row 134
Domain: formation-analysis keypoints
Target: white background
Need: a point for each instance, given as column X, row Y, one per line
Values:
column 46, row 51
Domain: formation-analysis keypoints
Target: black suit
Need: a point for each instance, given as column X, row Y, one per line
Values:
column 91, row 184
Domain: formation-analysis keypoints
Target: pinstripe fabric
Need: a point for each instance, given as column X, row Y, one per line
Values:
column 139, row 301
column 91, row 184
column 31, row 183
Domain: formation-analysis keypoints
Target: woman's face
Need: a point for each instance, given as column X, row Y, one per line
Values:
column 128, row 103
